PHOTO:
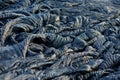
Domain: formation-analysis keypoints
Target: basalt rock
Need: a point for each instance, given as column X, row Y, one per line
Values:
column 59, row 39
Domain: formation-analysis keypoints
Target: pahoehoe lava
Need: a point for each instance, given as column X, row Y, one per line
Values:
column 59, row 39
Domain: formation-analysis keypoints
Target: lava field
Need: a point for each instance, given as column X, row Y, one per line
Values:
column 59, row 39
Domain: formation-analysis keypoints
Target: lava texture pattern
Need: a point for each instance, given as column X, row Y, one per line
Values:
column 59, row 39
